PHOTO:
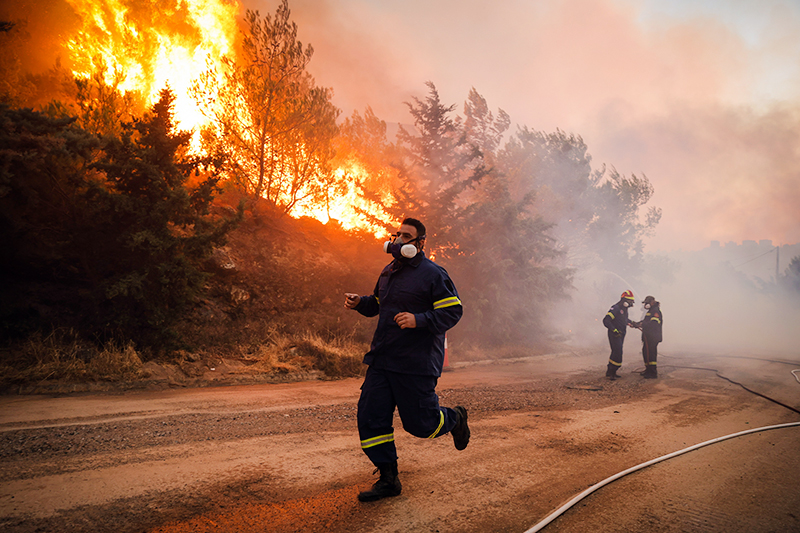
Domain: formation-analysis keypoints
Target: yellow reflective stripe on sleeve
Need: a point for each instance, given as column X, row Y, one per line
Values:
column 610, row 314
column 447, row 302
column 656, row 320
column 614, row 363
column 374, row 441
column 378, row 300
column 441, row 423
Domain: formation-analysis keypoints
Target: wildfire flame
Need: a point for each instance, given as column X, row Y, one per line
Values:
column 148, row 45
column 155, row 44
column 347, row 208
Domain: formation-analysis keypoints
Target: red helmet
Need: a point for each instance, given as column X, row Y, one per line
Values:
column 627, row 295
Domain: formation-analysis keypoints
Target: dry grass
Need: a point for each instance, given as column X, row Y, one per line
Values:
column 282, row 353
column 62, row 355
column 337, row 358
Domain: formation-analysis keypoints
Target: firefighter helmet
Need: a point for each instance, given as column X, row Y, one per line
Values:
column 627, row 295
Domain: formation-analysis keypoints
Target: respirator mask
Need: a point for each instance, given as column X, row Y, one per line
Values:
column 400, row 250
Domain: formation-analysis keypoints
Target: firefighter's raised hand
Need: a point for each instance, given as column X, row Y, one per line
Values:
column 405, row 320
column 351, row 300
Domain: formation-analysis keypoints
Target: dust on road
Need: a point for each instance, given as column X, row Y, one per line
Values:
column 285, row 457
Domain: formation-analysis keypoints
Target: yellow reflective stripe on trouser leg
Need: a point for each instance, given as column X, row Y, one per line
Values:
column 441, row 423
column 374, row 441
column 614, row 363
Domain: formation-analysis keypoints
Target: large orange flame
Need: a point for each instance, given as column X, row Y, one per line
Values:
column 151, row 44
column 347, row 208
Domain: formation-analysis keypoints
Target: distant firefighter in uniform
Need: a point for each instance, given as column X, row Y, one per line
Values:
column 651, row 326
column 416, row 303
column 616, row 321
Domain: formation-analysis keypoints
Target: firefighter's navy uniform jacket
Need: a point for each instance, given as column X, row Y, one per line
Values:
column 405, row 364
column 651, row 336
column 616, row 319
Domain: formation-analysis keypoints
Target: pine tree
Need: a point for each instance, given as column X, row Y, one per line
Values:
column 156, row 229
column 496, row 248
column 268, row 114
column 106, row 236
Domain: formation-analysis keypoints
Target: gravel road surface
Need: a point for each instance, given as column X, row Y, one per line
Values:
column 285, row 457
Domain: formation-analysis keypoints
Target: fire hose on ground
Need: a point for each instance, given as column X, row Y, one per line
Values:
column 561, row 510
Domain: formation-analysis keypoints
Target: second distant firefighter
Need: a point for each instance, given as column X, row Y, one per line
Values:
column 651, row 326
column 616, row 321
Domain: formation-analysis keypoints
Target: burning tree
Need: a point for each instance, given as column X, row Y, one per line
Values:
column 268, row 114
column 367, row 177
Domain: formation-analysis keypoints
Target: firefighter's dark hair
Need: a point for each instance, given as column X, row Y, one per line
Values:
column 417, row 224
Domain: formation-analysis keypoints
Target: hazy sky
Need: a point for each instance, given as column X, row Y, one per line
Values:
column 703, row 97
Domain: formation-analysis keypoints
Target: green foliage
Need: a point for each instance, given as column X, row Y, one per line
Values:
column 481, row 128
column 595, row 213
column 104, row 235
column 148, row 272
column 437, row 169
column 43, row 174
column 269, row 115
column 498, row 252
column 616, row 232
column 513, row 221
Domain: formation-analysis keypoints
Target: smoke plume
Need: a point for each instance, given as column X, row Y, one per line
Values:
column 704, row 104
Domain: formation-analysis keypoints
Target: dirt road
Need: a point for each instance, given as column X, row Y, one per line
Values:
column 285, row 457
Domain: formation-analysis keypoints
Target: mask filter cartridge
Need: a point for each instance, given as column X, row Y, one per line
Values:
column 398, row 251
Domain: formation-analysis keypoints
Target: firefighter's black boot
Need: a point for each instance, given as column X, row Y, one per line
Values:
column 651, row 372
column 611, row 372
column 460, row 431
column 388, row 484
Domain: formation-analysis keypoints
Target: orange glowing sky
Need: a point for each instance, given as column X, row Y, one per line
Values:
column 702, row 97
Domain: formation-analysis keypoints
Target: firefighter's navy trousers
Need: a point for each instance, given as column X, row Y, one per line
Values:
column 417, row 403
column 649, row 352
column 615, row 359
